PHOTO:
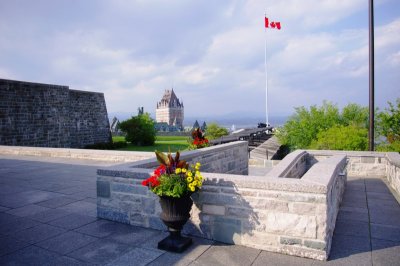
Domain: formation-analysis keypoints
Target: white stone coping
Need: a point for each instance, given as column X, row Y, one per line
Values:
column 287, row 163
column 394, row 158
column 347, row 153
column 188, row 155
column 324, row 171
column 87, row 154
column 316, row 181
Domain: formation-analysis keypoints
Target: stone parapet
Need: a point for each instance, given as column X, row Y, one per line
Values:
column 294, row 165
column 293, row 216
column 229, row 158
column 87, row 154
column 393, row 172
column 366, row 163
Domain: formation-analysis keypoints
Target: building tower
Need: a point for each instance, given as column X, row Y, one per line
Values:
column 170, row 110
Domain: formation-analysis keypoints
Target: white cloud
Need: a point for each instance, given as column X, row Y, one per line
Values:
column 211, row 53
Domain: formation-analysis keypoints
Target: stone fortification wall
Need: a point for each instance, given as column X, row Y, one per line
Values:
column 44, row 115
column 288, row 215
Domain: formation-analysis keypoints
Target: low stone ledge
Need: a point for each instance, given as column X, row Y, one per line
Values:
column 226, row 158
column 86, row 154
column 286, row 215
column 292, row 166
column 393, row 172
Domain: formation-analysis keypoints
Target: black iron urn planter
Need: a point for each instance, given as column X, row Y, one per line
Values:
column 175, row 213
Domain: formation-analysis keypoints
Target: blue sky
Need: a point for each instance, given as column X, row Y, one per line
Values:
column 211, row 52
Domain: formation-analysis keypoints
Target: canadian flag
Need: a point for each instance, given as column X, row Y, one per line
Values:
column 272, row 24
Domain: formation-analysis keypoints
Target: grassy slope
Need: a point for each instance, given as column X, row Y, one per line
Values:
column 163, row 143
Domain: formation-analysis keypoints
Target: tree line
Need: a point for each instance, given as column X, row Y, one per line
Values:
column 328, row 128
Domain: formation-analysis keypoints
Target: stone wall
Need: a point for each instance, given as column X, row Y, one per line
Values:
column 366, row 163
column 231, row 158
column 294, row 165
column 287, row 215
column 88, row 118
column 393, row 171
column 84, row 154
column 44, row 115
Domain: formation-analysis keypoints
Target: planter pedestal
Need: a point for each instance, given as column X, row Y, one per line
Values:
column 175, row 213
column 175, row 242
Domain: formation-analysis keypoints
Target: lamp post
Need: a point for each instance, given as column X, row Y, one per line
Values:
column 371, row 76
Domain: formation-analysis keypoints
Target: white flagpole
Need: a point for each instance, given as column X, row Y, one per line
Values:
column 266, row 74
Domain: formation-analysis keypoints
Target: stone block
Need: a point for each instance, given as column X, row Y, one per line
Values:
column 303, row 208
column 128, row 188
column 227, row 230
column 138, row 219
column 291, row 225
column 241, row 212
column 126, row 197
column 268, row 204
column 369, row 160
column 259, row 240
column 290, row 241
column 149, row 205
column 214, row 209
column 206, row 188
column 219, row 199
column 103, row 189
column 315, row 244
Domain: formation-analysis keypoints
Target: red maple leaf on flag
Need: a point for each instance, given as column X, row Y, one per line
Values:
column 272, row 24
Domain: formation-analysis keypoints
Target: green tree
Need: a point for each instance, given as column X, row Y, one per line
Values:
column 354, row 114
column 388, row 126
column 139, row 130
column 326, row 128
column 303, row 127
column 339, row 137
column 215, row 131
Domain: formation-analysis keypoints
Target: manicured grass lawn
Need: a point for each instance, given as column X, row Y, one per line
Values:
column 163, row 143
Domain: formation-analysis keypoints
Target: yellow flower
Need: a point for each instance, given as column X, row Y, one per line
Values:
column 189, row 179
column 199, row 183
column 189, row 173
column 197, row 173
column 194, row 183
column 192, row 188
column 178, row 170
column 183, row 170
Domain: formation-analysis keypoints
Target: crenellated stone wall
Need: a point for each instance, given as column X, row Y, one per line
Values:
column 45, row 115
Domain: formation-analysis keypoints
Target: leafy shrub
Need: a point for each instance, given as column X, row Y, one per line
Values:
column 214, row 131
column 139, row 130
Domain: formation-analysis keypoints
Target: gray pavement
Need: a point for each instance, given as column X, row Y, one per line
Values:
column 48, row 217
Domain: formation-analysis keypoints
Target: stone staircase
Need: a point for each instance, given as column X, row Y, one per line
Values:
column 267, row 150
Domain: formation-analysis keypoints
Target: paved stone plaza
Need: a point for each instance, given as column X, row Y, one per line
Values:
column 48, row 217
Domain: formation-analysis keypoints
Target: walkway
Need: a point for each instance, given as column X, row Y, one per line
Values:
column 48, row 217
